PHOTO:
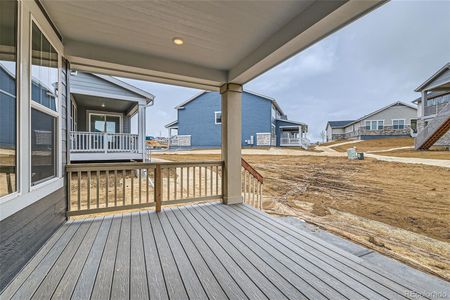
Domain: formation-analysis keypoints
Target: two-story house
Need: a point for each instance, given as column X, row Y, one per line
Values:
column 263, row 123
column 433, row 115
column 394, row 120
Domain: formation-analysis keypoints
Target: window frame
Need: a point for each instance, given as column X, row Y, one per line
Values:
column 28, row 12
column 377, row 126
column 18, row 159
column 102, row 113
column 215, row 117
column 35, row 105
column 404, row 124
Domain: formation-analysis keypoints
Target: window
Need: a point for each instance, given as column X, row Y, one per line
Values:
column 43, row 149
column 8, row 101
column 218, row 117
column 105, row 123
column 398, row 124
column 374, row 125
column 44, row 113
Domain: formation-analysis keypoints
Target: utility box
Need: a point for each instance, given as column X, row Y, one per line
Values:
column 360, row 155
column 351, row 153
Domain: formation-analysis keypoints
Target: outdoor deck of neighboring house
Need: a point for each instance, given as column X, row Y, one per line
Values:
column 197, row 252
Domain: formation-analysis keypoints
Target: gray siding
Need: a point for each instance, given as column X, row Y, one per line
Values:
column 443, row 78
column 26, row 231
column 93, row 84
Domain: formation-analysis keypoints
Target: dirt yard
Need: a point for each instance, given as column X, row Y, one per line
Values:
column 378, row 144
column 430, row 154
column 401, row 210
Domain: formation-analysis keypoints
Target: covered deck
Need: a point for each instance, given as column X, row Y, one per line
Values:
column 206, row 251
column 103, row 112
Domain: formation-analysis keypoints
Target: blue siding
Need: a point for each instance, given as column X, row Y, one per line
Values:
column 197, row 119
column 8, row 110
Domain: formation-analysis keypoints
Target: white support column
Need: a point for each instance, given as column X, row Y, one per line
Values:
column 231, row 142
column 141, row 129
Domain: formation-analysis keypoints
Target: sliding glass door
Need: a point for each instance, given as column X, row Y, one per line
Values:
column 104, row 123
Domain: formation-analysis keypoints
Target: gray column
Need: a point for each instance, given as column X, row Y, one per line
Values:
column 231, row 141
column 141, row 128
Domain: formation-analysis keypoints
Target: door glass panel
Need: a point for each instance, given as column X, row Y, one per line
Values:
column 8, row 104
column 112, row 124
column 97, row 123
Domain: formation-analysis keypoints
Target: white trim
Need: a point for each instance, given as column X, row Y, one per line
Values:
column 18, row 201
column 101, row 113
column 404, row 123
column 370, row 129
column 215, row 117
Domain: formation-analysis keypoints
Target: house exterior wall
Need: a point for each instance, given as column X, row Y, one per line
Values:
column 8, row 110
column 93, row 85
column 396, row 112
column 197, row 119
column 24, row 233
column 280, row 123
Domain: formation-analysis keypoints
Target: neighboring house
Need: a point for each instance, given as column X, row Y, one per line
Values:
column 100, row 118
column 393, row 120
column 263, row 123
column 434, row 110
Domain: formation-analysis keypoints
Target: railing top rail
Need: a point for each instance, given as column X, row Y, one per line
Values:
column 137, row 165
column 251, row 170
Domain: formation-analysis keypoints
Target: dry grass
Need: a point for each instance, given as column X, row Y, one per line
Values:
column 378, row 144
column 431, row 154
column 402, row 210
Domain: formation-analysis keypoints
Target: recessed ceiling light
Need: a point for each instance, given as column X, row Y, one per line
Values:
column 178, row 41
column 103, row 105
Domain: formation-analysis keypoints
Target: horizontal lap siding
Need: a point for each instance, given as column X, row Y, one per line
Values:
column 27, row 230
column 197, row 119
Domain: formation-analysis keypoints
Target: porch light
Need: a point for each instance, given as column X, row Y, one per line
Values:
column 103, row 105
column 178, row 41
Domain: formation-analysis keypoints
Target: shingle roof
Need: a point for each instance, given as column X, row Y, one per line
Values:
column 338, row 124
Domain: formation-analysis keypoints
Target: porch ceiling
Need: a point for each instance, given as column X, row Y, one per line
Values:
column 95, row 103
column 224, row 41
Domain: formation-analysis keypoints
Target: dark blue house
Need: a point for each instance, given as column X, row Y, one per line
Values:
column 263, row 123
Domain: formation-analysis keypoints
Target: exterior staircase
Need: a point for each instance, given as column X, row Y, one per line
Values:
column 435, row 129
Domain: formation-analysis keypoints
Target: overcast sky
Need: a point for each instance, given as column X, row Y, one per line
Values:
column 378, row 59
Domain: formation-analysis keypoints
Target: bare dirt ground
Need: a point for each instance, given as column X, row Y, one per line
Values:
column 378, row 144
column 431, row 154
column 401, row 210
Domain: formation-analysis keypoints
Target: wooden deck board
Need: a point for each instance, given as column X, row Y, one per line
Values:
column 208, row 251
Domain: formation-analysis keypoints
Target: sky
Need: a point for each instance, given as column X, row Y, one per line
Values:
column 376, row 60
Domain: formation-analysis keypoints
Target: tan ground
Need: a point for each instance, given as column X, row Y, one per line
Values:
column 402, row 210
column 432, row 154
column 378, row 144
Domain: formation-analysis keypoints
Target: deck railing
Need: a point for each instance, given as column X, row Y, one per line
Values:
column 103, row 187
column 252, row 185
column 81, row 141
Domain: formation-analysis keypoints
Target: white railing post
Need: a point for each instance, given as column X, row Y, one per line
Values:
column 105, row 142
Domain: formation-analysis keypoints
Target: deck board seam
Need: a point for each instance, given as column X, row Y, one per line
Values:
column 212, row 251
column 256, row 241
column 184, row 212
column 310, row 261
column 269, row 280
column 157, row 251
column 31, row 260
column 145, row 259
column 56, row 259
column 199, row 253
column 261, row 258
column 348, row 262
column 71, row 259
column 84, row 263
column 115, row 258
column 175, row 260
column 189, row 259
column 100, row 260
